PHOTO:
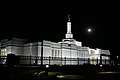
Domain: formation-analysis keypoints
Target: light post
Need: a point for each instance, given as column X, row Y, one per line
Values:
column 117, row 61
column 61, row 54
column 42, row 53
column 30, row 52
column 70, row 53
column 47, row 66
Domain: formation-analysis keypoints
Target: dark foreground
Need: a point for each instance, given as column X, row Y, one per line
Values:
column 83, row 72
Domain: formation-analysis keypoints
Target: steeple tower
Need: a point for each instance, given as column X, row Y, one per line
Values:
column 69, row 34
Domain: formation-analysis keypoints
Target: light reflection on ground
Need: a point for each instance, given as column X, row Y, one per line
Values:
column 107, row 72
column 70, row 77
column 93, row 76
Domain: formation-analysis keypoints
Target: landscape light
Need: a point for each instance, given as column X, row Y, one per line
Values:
column 100, row 65
column 47, row 66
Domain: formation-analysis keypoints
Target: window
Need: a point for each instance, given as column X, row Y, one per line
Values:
column 3, row 52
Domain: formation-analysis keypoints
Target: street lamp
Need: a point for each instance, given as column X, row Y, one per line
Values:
column 47, row 66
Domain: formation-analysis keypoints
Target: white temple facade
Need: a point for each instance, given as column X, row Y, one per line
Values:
column 68, row 48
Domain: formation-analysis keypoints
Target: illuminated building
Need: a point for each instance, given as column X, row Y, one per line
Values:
column 67, row 48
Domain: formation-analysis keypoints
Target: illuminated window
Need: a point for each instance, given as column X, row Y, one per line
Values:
column 3, row 52
column 93, row 60
column 92, row 51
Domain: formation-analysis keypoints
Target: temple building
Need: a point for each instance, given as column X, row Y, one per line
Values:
column 68, row 48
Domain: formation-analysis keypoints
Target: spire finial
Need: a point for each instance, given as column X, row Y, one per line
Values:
column 68, row 17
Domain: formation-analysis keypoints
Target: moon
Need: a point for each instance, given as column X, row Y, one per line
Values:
column 89, row 30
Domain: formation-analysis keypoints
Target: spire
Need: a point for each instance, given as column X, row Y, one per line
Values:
column 69, row 33
column 69, row 25
column 68, row 17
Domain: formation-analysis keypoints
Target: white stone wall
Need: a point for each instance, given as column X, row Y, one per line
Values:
column 56, row 51
column 65, row 53
column 47, row 51
column 34, row 49
column 27, row 49
column 17, row 50
column 74, row 54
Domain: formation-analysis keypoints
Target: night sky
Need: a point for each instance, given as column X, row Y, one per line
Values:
column 47, row 21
